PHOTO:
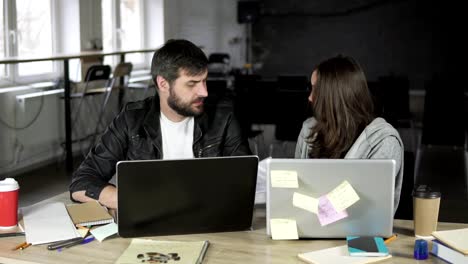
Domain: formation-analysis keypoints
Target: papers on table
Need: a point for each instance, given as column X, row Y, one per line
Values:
column 46, row 223
column 338, row 255
column 104, row 231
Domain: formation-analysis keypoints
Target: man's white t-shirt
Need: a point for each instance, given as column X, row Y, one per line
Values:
column 177, row 138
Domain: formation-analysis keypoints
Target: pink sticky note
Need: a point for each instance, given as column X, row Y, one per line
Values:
column 327, row 213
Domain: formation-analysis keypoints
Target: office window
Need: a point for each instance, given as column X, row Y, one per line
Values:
column 2, row 41
column 131, row 28
column 34, row 34
column 26, row 32
column 108, row 25
column 122, row 22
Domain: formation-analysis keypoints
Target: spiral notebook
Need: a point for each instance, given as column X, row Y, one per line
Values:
column 89, row 213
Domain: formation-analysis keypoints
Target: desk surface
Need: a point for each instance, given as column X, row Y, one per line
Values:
column 229, row 247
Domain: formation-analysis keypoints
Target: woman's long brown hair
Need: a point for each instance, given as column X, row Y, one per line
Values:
column 342, row 106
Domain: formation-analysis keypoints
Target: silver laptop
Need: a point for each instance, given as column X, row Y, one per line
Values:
column 170, row 197
column 373, row 181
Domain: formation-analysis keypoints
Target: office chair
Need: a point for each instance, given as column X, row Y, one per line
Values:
column 253, row 99
column 120, row 79
column 395, row 100
column 443, row 138
column 97, row 86
column 405, row 208
column 217, row 89
column 219, row 65
column 393, row 96
column 292, row 96
column 292, row 109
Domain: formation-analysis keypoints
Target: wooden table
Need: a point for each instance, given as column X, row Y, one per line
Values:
column 67, row 98
column 229, row 247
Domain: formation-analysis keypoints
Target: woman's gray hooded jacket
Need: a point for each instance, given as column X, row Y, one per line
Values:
column 379, row 140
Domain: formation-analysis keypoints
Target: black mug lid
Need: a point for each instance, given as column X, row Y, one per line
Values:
column 424, row 191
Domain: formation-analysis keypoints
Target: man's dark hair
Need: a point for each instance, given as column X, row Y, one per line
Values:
column 175, row 55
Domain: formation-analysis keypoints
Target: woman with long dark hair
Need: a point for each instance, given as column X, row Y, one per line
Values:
column 343, row 124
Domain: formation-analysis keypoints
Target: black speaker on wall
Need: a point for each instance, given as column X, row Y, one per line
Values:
column 247, row 11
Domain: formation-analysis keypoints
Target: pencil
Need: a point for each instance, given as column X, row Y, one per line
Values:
column 20, row 245
column 390, row 239
column 25, row 246
column 81, row 227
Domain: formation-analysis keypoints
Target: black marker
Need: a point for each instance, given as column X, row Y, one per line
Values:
column 64, row 243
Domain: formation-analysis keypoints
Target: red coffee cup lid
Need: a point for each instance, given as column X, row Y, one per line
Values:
column 8, row 184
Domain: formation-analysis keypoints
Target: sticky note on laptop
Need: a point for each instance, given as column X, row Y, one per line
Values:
column 343, row 196
column 305, row 202
column 327, row 214
column 283, row 229
column 284, row 179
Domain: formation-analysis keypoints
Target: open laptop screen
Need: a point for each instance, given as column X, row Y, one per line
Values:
column 169, row 197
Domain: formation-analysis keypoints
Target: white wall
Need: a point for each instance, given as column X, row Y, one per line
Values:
column 32, row 142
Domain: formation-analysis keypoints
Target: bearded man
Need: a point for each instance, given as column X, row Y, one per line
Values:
column 177, row 123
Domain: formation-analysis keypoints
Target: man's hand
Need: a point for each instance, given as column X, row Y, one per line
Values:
column 108, row 197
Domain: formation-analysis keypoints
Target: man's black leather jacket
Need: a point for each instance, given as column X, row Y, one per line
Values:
column 135, row 134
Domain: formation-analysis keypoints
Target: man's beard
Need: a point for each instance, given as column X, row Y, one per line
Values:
column 182, row 108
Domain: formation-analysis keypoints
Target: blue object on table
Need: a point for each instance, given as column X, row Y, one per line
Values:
column 421, row 249
column 87, row 239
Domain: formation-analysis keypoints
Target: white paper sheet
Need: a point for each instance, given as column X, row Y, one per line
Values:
column 46, row 223
column 100, row 233
column 260, row 192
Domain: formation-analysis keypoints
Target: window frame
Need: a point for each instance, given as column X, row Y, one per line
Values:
column 117, row 33
column 11, row 46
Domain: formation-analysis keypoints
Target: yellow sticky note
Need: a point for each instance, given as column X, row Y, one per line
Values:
column 305, row 202
column 283, row 229
column 343, row 196
column 284, row 179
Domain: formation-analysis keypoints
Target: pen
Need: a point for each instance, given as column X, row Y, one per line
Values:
column 390, row 239
column 20, row 245
column 82, row 242
column 88, row 239
column 73, row 243
column 64, row 243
